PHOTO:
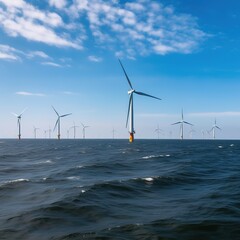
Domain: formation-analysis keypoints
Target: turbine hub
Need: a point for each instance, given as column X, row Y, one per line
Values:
column 131, row 91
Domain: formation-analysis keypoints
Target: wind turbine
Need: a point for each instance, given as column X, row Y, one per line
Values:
column 130, row 105
column 19, row 117
column 158, row 130
column 191, row 133
column 181, row 126
column 113, row 133
column 83, row 130
column 49, row 132
column 74, row 130
column 58, row 121
column 35, row 131
column 214, row 127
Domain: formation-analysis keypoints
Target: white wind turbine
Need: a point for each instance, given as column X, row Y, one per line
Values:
column 191, row 133
column 158, row 131
column 83, row 129
column 214, row 127
column 58, row 121
column 49, row 132
column 130, row 105
column 181, row 126
column 74, row 129
column 113, row 133
column 35, row 131
column 19, row 118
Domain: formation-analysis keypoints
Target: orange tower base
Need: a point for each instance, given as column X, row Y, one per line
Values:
column 131, row 137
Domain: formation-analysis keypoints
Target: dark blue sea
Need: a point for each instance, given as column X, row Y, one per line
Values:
column 111, row 189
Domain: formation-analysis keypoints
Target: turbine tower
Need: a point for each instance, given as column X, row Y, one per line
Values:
column 113, row 133
column 74, row 129
column 181, row 126
column 19, row 117
column 158, row 131
column 58, row 121
column 35, row 131
column 83, row 130
column 130, row 105
column 214, row 127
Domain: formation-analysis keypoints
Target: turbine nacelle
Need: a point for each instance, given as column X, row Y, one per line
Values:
column 131, row 91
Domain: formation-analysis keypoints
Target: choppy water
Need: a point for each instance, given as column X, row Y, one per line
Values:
column 110, row 189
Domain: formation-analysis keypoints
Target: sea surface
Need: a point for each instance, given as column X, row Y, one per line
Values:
column 111, row 189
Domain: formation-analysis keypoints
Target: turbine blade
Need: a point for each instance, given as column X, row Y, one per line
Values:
column 66, row 115
column 56, row 124
column 23, row 112
column 14, row 114
column 218, row 128
column 147, row 95
column 55, row 111
column 188, row 123
column 129, row 104
column 176, row 123
column 125, row 74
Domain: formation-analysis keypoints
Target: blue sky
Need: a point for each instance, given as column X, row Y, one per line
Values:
column 64, row 53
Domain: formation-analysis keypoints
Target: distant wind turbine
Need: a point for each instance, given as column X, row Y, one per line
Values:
column 130, row 105
column 35, row 131
column 49, row 132
column 158, row 131
column 58, row 121
column 113, row 133
column 83, row 129
column 181, row 126
column 74, row 129
column 19, row 117
column 191, row 133
column 214, row 127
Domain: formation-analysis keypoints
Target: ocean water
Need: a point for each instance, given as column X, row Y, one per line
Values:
column 111, row 189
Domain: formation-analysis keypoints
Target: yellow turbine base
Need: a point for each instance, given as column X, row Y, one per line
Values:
column 131, row 137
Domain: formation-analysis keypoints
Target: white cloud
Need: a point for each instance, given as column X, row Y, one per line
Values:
column 38, row 54
column 143, row 26
column 94, row 59
column 51, row 64
column 9, row 53
column 30, row 94
column 19, row 18
column 58, row 3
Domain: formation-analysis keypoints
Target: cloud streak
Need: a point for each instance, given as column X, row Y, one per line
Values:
column 30, row 94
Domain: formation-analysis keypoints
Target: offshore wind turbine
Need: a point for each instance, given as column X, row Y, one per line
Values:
column 113, row 133
column 19, row 118
column 35, row 131
column 182, row 122
column 74, row 129
column 130, row 105
column 58, row 121
column 214, row 127
column 83, row 130
column 158, row 130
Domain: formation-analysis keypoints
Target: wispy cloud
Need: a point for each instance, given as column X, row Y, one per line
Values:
column 9, row 53
column 30, row 94
column 39, row 54
column 52, row 64
column 94, row 59
column 141, row 27
column 69, row 93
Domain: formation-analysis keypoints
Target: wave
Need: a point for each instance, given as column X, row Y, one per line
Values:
column 15, row 181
